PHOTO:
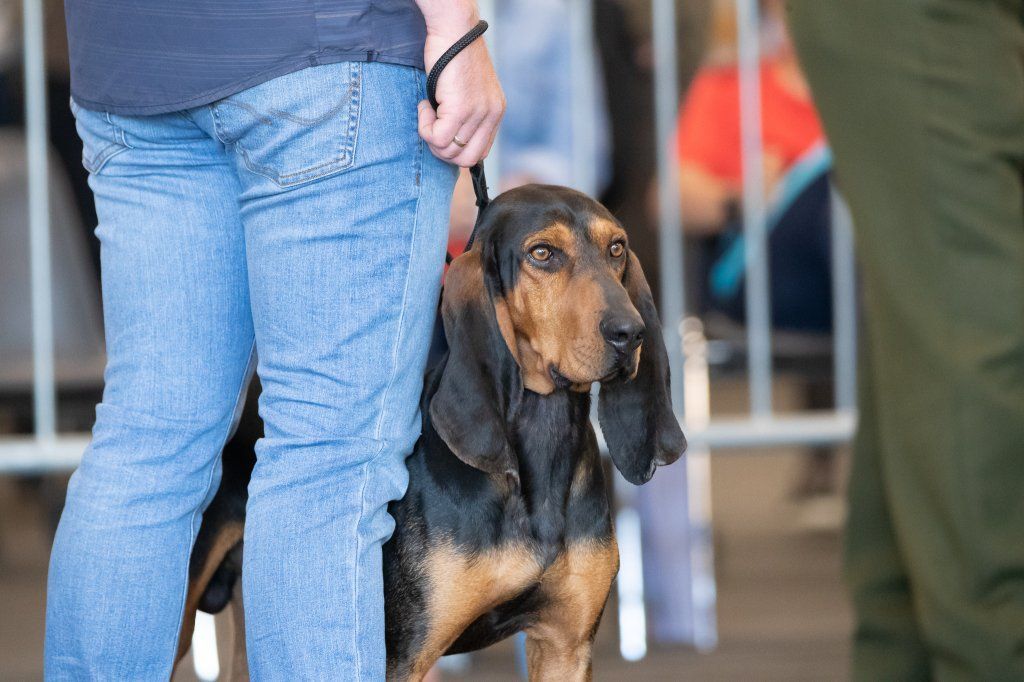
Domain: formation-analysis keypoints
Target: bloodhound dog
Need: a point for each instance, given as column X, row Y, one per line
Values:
column 506, row 525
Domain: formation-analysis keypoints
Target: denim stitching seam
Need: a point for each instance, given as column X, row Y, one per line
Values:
column 356, row 111
column 387, row 389
column 239, row 403
column 217, row 125
column 118, row 133
column 355, row 562
column 101, row 159
column 405, row 297
column 114, row 146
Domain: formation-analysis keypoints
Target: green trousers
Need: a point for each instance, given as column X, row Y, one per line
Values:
column 923, row 104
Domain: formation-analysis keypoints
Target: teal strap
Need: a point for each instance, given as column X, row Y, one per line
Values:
column 727, row 272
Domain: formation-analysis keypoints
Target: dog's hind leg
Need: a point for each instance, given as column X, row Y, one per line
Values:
column 559, row 645
column 239, row 671
column 207, row 576
column 184, row 637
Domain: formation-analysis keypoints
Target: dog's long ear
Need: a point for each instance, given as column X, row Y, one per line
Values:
column 636, row 414
column 480, row 386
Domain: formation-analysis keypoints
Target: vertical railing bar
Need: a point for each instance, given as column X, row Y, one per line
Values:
column 670, row 220
column 489, row 12
column 43, row 378
column 629, row 585
column 581, row 23
column 844, row 304
column 703, row 590
column 673, row 308
column 754, row 214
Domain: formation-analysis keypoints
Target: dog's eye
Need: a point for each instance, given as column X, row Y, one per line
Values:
column 540, row 253
column 617, row 249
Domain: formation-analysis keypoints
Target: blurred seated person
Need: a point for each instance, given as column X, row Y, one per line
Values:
column 533, row 57
column 796, row 163
column 796, row 168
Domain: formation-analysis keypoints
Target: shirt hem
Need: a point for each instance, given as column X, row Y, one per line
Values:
column 237, row 86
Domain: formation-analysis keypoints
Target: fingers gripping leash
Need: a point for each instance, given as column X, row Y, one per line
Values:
column 477, row 171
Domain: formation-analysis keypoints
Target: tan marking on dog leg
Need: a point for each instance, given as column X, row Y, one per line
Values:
column 188, row 626
column 228, row 536
column 464, row 587
column 559, row 645
column 239, row 660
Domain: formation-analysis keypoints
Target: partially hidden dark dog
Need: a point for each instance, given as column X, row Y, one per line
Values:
column 506, row 526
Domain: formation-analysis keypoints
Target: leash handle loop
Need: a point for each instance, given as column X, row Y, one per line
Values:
column 449, row 54
column 477, row 171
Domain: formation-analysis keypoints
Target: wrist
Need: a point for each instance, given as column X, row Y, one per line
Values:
column 449, row 18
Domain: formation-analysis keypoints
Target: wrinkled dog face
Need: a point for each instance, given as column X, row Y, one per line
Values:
column 566, row 317
column 550, row 297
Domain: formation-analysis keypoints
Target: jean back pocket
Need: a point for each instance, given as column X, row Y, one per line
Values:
column 300, row 127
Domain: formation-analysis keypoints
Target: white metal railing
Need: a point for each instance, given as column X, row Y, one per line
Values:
column 46, row 450
column 44, row 383
column 763, row 423
column 684, row 338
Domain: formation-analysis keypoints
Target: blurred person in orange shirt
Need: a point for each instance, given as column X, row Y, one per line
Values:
column 796, row 162
column 708, row 137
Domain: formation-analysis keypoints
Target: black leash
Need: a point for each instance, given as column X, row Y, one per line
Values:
column 439, row 344
column 476, row 172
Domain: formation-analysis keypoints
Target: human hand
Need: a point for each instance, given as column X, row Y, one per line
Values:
column 470, row 100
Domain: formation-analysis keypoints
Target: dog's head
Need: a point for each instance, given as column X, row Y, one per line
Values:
column 551, row 298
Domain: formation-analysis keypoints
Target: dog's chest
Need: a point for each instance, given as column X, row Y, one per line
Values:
column 550, row 440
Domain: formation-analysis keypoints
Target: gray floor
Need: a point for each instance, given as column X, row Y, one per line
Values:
column 781, row 608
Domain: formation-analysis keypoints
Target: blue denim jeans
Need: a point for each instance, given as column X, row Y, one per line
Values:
column 303, row 218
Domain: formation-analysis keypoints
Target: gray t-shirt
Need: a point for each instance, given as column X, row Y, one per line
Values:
column 155, row 56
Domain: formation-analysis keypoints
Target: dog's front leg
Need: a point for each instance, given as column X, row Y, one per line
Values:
column 559, row 645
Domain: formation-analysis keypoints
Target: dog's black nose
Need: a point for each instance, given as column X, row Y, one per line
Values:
column 623, row 332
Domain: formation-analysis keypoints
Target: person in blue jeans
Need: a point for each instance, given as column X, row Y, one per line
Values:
column 270, row 184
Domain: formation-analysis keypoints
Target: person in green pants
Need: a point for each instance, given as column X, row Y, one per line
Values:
column 923, row 103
